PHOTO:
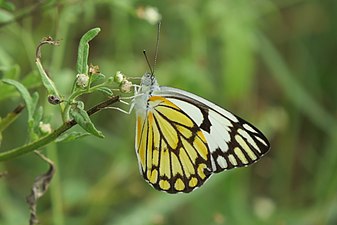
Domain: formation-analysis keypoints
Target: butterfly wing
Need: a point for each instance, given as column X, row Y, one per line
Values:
column 182, row 139
column 232, row 141
column 172, row 150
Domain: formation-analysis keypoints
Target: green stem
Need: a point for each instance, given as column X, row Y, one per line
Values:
column 73, row 96
column 10, row 154
column 69, row 102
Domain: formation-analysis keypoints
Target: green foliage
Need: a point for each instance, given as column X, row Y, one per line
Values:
column 272, row 62
column 72, row 110
column 82, row 118
column 71, row 136
column 31, row 103
column 83, row 50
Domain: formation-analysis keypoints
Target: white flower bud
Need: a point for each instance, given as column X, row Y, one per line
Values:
column 119, row 77
column 82, row 80
column 125, row 86
column 45, row 128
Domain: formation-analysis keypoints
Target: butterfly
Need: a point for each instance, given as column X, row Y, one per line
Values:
column 182, row 139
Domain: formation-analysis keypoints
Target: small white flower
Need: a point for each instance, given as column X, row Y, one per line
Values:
column 150, row 14
column 119, row 77
column 82, row 80
column 45, row 128
column 125, row 86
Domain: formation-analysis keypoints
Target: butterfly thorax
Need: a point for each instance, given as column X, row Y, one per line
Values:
column 148, row 85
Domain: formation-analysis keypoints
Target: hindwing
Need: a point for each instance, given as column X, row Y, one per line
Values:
column 172, row 150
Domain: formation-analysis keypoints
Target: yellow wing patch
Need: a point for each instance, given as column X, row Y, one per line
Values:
column 172, row 150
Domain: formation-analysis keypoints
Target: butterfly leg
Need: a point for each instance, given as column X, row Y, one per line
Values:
column 136, row 91
column 126, row 103
column 121, row 110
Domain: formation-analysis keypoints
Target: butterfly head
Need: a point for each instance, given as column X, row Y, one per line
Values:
column 149, row 81
column 148, row 84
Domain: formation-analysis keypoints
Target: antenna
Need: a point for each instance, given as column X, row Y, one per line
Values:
column 157, row 44
column 148, row 63
column 156, row 51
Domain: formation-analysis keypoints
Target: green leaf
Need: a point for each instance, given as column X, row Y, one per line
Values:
column 31, row 122
column 37, row 117
column 46, row 81
column 105, row 90
column 83, row 50
column 97, row 77
column 12, row 73
column 35, row 99
column 71, row 136
column 30, row 102
column 82, row 118
column 32, row 79
column 6, row 91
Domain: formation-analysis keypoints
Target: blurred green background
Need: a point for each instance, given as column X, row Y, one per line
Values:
column 271, row 62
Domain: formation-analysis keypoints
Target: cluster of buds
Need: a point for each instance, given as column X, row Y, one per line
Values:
column 124, row 84
column 82, row 80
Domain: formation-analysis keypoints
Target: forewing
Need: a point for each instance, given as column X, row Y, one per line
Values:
column 172, row 149
column 241, row 145
column 232, row 141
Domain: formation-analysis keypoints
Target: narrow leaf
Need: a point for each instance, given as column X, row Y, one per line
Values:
column 32, row 79
column 83, row 119
column 47, row 82
column 35, row 99
column 8, row 73
column 71, row 136
column 105, row 90
column 12, row 73
column 97, row 77
column 83, row 50
column 25, row 95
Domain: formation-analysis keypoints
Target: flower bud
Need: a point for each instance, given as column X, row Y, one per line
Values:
column 119, row 77
column 45, row 128
column 125, row 86
column 82, row 80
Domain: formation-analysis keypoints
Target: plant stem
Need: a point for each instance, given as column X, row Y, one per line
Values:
column 13, row 153
column 73, row 96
